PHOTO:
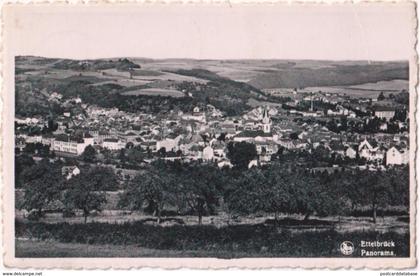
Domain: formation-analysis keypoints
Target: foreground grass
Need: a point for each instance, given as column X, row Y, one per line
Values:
column 53, row 249
column 139, row 239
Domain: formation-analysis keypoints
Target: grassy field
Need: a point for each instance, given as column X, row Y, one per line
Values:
column 40, row 249
column 366, row 90
column 140, row 239
column 389, row 86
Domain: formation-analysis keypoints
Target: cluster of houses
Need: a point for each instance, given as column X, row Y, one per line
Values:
column 203, row 134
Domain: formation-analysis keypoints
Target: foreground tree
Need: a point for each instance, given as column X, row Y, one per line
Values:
column 199, row 188
column 42, row 183
column 377, row 188
column 83, row 193
column 149, row 188
column 102, row 178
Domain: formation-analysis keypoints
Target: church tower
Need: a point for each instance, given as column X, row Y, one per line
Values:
column 266, row 122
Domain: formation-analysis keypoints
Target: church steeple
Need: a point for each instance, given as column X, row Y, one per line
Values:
column 266, row 122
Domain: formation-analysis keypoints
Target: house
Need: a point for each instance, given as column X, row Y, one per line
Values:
column 384, row 112
column 351, row 153
column 69, row 171
column 397, row 156
column 33, row 139
column 208, row 153
column 370, row 150
column 219, row 149
column 225, row 163
column 253, row 163
column 113, row 144
column 196, row 115
column 337, row 148
column 148, row 145
column 266, row 148
column 170, row 143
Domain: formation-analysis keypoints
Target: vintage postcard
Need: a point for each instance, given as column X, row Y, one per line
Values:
column 251, row 135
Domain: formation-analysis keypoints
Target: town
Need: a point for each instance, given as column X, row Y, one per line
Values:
column 122, row 146
column 353, row 132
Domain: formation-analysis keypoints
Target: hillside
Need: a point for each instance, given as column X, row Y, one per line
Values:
column 147, row 85
column 293, row 77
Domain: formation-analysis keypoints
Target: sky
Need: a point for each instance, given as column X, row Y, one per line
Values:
column 330, row 32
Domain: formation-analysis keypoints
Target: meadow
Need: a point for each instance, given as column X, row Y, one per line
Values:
column 366, row 90
column 38, row 239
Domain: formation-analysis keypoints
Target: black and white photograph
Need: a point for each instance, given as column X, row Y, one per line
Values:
column 258, row 140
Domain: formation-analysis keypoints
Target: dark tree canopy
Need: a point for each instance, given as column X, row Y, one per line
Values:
column 42, row 183
column 82, row 193
column 89, row 154
column 240, row 154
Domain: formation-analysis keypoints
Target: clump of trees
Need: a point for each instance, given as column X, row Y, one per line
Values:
column 194, row 189
column 44, row 183
column 202, row 189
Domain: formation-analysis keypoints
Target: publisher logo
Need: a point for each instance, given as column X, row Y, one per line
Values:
column 347, row 248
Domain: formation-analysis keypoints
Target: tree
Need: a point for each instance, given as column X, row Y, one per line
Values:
column 42, row 183
column 22, row 162
column 129, row 145
column 83, row 194
column 162, row 152
column 121, row 156
column 403, row 97
column 135, row 155
column 37, row 148
column 294, row 136
column 149, row 188
column 274, row 190
column 89, row 154
column 373, row 188
column 222, row 137
column 198, row 187
column 102, row 178
column 381, row 96
column 240, row 154
column 309, row 195
column 247, row 196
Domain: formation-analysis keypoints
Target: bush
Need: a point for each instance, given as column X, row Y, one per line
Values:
column 34, row 216
column 68, row 214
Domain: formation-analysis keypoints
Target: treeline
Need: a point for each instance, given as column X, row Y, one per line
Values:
column 122, row 64
column 204, row 189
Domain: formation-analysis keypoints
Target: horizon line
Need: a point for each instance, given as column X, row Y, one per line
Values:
column 220, row 59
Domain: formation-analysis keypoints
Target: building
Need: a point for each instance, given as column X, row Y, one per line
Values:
column 397, row 156
column 113, row 144
column 370, row 150
column 384, row 112
column 208, row 153
column 263, row 134
column 170, row 143
column 72, row 145
column 266, row 122
column 69, row 171
column 351, row 153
